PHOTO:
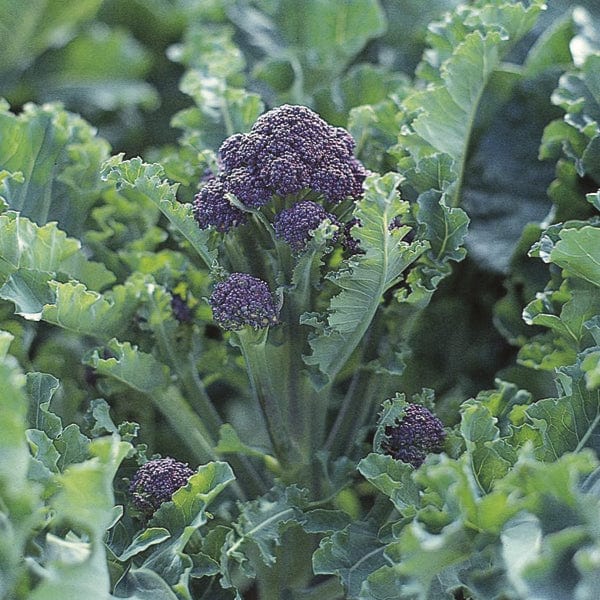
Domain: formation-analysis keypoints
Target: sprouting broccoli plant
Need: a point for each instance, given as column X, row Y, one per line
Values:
column 294, row 225
column 156, row 481
column 289, row 152
column 411, row 438
column 243, row 300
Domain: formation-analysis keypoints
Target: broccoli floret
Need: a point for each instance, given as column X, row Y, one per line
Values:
column 181, row 311
column 247, row 188
column 290, row 150
column 243, row 300
column 294, row 225
column 417, row 434
column 156, row 481
column 212, row 208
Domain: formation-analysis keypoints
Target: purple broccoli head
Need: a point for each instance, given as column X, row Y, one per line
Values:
column 412, row 438
column 294, row 225
column 243, row 300
column 156, row 481
column 290, row 149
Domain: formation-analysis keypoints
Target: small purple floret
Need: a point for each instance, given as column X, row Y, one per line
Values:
column 181, row 311
column 294, row 225
column 417, row 434
column 212, row 208
column 156, row 481
column 243, row 300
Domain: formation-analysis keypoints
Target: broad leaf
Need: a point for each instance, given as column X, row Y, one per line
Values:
column 366, row 277
column 138, row 181
column 59, row 157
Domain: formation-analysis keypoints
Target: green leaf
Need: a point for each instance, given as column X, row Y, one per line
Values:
column 393, row 478
column 29, row 291
column 144, row 584
column 352, row 554
column 149, row 537
column 99, row 71
column 41, row 387
column 182, row 516
column 89, row 313
column 366, row 276
column 72, row 567
column 137, row 181
column 230, row 443
column 568, row 423
column 85, row 498
column 59, row 156
column 591, row 367
column 319, row 41
column 138, row 370
column 467, row 49
column 491, row 458
column 446, row 227
column 551, row 49
column 25, row 245
column 578, row 252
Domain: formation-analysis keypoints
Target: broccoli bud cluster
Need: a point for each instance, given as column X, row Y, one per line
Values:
column 295, row 224
column 290, row 150
column 156, row 481
column 243, row 300
column 417, row 434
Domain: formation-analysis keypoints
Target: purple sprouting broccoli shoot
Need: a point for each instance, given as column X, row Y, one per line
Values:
column 212, row 208
column 416, row 435
column 156, row 481
column 294, row 225
column 243, row 300
column 290, row 151
column 181, row 311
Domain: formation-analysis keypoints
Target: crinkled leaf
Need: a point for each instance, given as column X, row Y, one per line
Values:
column 136, row 180
column 89, row 313
column 135, row 368
column 182, row 516
column 578, row 251
column 570, row 422
column 23, row 244
column 366, row 277
column 393, row 478
column 352, row 554
column 59, row 156
column 491, row 458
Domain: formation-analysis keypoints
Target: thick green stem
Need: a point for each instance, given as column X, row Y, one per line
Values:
column 188, row 425
column 253, row 346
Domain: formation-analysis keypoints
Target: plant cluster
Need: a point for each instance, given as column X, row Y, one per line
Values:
column 339, row 340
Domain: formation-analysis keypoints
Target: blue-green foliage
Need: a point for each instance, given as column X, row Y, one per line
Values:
column 105, row 278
